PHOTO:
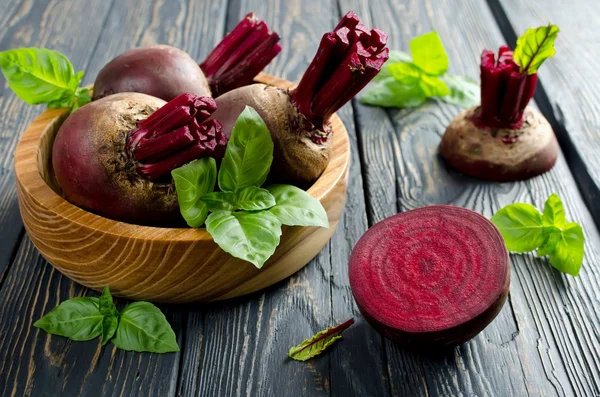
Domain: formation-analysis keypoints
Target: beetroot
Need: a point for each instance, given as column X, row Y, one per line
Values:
column 114, row 156
column 166, row 72
column 435, row 275
column 502, row 139
column 347, row 59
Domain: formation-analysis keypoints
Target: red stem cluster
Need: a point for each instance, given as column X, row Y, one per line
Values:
column 176, row 134
column 240, row 56
column 347, row 59
column 505, row 91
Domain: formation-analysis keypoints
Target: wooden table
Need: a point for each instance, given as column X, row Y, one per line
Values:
column 546, row 340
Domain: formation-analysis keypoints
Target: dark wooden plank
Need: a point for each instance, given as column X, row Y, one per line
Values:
column 45, row 24
column 34, row 363
column 541, row 342
column 569, row 84
column 243, row 350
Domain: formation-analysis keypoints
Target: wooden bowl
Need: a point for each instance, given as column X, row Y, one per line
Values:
column 151, row 263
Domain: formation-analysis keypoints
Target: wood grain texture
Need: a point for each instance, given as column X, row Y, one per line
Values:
column 243, row 350
column 524, row 351
column 569, row 86
column 49, row 24
column 151, row 263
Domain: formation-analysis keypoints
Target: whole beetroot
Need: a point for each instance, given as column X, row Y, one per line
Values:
column 166, row 72
column 113, row 156
column 347, row 59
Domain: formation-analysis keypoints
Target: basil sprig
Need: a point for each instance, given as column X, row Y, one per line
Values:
column 140, row 327
column 406, row 81
column 525, row 229
column 40, row 75
column 245, row 219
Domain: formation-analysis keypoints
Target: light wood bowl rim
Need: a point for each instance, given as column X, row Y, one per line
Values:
column 28, row 175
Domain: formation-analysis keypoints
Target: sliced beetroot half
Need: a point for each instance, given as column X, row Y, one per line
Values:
column 436, row 275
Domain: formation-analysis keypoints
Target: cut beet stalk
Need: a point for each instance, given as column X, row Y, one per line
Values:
column 436, row 275
column 241, row 55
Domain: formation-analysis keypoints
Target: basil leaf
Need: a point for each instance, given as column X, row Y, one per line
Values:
column 394, row 57
column 39, row 75
column 109, row 327
column 521, row 227
column 193, row 181
column 554, row 212
column 534, row 47
column 406, row 73
column 567, row 255
column 433, row 86
column 83, row 97
column 390, row 93
column 319, row 342
column 78, row 319
column 251, row 198
column 464, row 91
column 249, row 153
column 295, row 207
column 143, row 328
column 252, row 237
column 107, row 306
column 428, row 54
column 550, row 241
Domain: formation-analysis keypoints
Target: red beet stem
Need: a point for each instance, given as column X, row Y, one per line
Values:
column 347, row 59
column 176, row 134
column 505, row 91
column 241, row 55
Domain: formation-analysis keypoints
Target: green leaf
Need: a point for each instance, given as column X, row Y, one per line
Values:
column 534, row 47
column 192, row 182
column 464, row 91
column 109, row 328
column 521, row 227
column 550, row 241
column 83, row 97
column 249, row 153
column 567, row 255
column 318, row 343
column 252, row 237
column 251, row 198
column 143, row 328
column 107, row 306
column 39, row 75
column 554, row 212
column 295, row 207
column 390, row 93
column 406, row 73
column 394, row 57
column 433, row 86
column 428, row 54
column 78, row 319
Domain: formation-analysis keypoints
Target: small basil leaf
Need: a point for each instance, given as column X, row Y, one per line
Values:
column 406, row 73
column 83, row 98
column 567, row 255
column 143, row 328
column 554, row 212
column 109, row 327
column 252, row 237
column 428, row 54
column 193, row 181
column 253, row 198
column 295, row 207
column 433, row 86
column 107, row 306
column 394, row 57
column 390, row 93
column 464, row 91
column 219, row 201
column 550, row 241
column 39, row 75
column 319, row 342
column 521, row 227
column 534, row 47
column 249, row 153
column 78, row 319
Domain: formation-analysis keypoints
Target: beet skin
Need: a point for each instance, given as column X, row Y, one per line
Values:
column 433, row 276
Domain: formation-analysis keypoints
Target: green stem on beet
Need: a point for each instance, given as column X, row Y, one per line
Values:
column 176, row 134
column 240, row 56
column 347, row 59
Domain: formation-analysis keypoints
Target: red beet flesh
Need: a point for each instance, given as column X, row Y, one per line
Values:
column 347, row 59
column 167, row 72
column 436, row 275
column 113, row 156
